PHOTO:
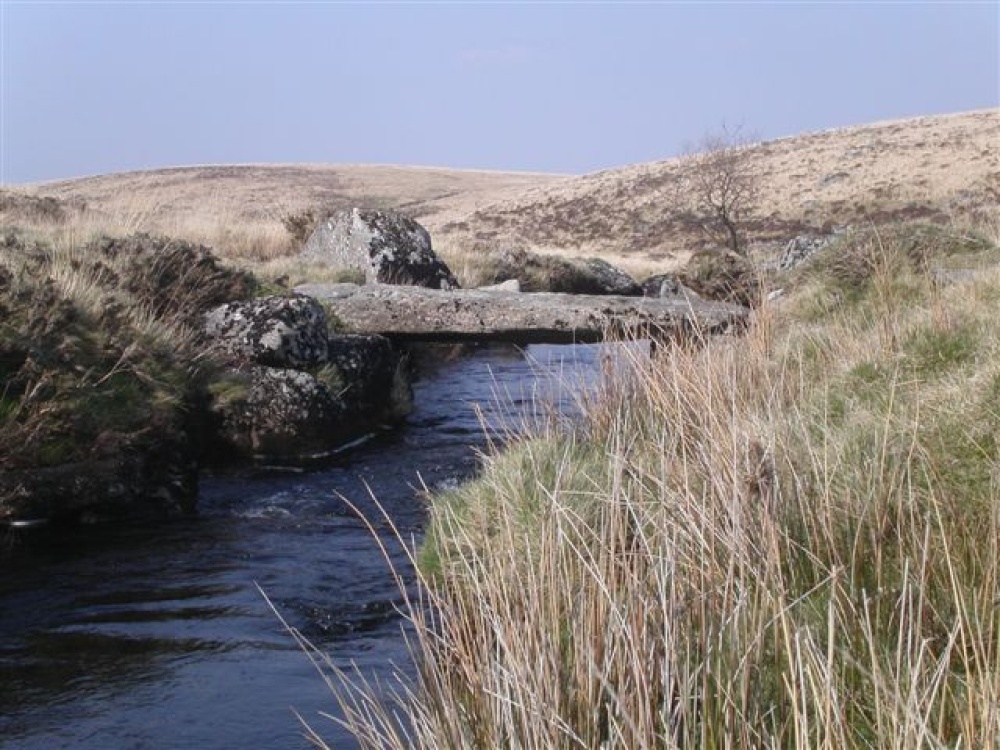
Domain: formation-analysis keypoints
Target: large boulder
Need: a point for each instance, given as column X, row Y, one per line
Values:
column 283, row 414
column 271, row 331
column 292, row 389
column 387, row 247
column 604, row 278
column 279, row 413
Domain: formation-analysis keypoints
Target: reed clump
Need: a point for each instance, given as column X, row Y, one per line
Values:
column 786, row 540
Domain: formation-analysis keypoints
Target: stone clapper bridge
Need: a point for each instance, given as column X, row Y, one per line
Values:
column 409, row 313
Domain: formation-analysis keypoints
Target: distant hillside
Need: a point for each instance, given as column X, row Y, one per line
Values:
column 937, row 168
column 257, row 194
column 929, row 167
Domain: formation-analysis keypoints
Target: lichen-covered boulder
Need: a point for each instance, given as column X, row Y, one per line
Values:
column 293, row 390
column 271, row 331
column 387, row 247
column 277, row 413
column 604, row 278
column 286, row 415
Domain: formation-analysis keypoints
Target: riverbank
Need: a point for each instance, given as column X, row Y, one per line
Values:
column 782, row 539
column 103, row 371
column 117, row 391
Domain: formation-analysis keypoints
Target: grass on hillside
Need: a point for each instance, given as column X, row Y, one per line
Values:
column 783, row 540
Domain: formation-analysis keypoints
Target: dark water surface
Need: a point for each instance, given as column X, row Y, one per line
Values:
column 159, row 638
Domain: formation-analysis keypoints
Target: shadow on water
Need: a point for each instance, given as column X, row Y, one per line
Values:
column 158, row 637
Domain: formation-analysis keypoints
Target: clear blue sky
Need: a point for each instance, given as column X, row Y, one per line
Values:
column 90, row 88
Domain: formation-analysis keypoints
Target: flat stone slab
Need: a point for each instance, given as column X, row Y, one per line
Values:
column 418, row 314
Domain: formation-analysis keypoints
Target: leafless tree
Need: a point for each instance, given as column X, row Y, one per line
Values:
column 722, row 185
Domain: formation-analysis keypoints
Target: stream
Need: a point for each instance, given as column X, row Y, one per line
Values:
column 158, row 637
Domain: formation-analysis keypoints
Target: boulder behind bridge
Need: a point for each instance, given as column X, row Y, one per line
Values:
column 384, row 246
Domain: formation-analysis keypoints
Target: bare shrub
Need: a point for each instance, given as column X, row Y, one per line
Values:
column 721, row 186
column 300, row 224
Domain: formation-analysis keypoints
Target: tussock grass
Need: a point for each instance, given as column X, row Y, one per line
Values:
column 100, row 349
column 782, row 540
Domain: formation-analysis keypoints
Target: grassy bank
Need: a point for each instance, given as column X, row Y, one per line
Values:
column 100, row 363
column 787, row 539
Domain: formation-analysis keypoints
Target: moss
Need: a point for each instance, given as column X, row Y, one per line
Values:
column 229, row 387
column 330, row 376
column 56, row 450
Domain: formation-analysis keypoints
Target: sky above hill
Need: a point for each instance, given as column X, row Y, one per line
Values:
column 90, row 88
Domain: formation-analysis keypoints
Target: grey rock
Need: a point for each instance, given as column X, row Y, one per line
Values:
column 387, row 247
column 667, row 285
column 271, row 331
column 284, row 413
column 294, row 390
column 801, row 249
column 608, row 279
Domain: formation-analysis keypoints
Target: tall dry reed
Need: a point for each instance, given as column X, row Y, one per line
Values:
column 787, row 540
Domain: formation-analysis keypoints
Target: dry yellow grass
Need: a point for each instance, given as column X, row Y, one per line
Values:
column 239, row 208
column 940, row 167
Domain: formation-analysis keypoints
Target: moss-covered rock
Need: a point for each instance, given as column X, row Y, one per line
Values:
column 290, row 389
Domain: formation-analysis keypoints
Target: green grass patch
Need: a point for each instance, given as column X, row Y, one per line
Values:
column 930, row 351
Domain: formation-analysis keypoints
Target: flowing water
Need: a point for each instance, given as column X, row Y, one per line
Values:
column 160, row 638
